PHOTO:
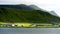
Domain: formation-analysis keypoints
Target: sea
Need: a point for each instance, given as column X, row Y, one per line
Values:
column 29, row 30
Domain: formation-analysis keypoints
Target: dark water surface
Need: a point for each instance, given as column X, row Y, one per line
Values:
column 29, row 30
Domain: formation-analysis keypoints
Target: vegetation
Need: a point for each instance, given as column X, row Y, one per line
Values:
column 13, row 15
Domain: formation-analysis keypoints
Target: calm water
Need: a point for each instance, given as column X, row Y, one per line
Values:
column 29, row 30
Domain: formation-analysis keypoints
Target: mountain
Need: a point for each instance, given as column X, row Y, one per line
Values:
column 34, row 7
column 37, row 8
column 9, row 13
column 21, row 6
column 53, row 13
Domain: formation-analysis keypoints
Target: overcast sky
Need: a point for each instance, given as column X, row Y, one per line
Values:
column 44, row 4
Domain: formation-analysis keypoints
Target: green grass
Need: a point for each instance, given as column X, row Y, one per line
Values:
column 29, row 25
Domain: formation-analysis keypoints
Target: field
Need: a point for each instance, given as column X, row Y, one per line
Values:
column 27, row 25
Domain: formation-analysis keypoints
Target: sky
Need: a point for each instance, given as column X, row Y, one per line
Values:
column 49, row 5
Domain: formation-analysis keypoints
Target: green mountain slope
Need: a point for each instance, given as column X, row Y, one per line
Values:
column 31, row 16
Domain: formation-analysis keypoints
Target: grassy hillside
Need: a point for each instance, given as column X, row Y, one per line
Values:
column 31, row 16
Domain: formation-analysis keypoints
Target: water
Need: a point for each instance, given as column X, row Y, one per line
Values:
column 29, row 30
